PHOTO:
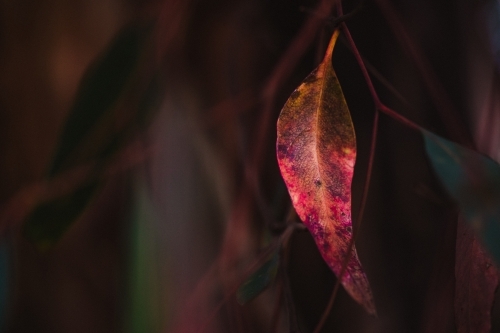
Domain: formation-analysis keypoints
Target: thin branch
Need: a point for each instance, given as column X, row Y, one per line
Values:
column 253, row 267
column 361, row 64
column 388, row 85
column 378, row 104
column 396, row 116
column 369, row 172
column 450, row 117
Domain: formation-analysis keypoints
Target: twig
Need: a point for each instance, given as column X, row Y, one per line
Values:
column 256, row 264
column 375, row 73
column 451, row 118
column 343, row 18
column 396, row 116
column 378, row 104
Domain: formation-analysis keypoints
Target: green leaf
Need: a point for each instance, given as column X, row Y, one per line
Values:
column 259, row 281
column 46, row 224
column 473, row 181
column 101, row 87
column 144, row 306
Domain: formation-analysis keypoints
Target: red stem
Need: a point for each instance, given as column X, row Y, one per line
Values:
column 378, row 104
column 396, row 116
column 361, row 63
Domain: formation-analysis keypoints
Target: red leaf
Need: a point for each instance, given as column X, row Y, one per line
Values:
column 316, row 150
column 476, row 281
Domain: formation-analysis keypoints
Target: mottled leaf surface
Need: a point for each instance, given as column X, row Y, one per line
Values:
column 316, row 151
column 259, row 281
column 473, row 181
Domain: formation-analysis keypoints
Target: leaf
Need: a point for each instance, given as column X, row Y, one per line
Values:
column 259, row 281
column 48, row 221
column 91, row 132
column 316, row 150
column 100, row 88
column 473, row 181
column 476, row 282
column 144, row 297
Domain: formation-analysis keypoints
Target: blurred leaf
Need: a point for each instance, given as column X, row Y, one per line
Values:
column 259, row 281
column 473, row 181
column 151, row 100
column 100, row 88
column 46, row 224
column 316, row 150
column 144, row 298
column 91, row 132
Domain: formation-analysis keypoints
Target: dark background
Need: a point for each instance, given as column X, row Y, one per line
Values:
column 123, row 267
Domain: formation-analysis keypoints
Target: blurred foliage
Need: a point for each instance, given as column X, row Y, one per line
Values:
column 48, row 222
column 473, row 181
column 165, row 254
column 259, row 280
column 92, row 132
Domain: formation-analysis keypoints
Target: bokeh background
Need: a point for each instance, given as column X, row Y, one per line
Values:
column 196, row 194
